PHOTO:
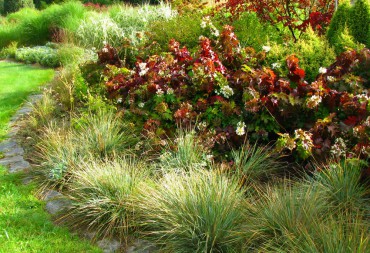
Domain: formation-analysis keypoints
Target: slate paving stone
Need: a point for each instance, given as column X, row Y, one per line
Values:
column 10, row 160
column 109, row 245
column 16, row 151
column 141, row 246
column 19, row 166
column 7, row 145
column 56, row 206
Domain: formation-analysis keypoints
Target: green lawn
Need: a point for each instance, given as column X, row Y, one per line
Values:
column 17, row 81
column 24, row 225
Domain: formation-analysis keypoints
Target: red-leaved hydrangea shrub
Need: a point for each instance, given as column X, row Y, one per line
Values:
column 225, row 92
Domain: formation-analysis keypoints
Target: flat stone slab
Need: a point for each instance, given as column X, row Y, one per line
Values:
column 57, row 205
column 16, row 151
column 7, row 145
column 109, row 245
column 19, row 166
column 51, row 195
column 141, row 246
column 12, row 159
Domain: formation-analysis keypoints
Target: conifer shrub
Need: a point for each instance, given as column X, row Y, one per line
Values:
column 15, row 5
column 359, row 21
column 338, row 22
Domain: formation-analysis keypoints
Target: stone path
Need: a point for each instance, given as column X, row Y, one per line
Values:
column 11, row 156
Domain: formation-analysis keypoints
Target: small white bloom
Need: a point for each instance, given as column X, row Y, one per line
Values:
column 160, row 92
column 105, row 50
column 203, row 24
column 331, row 79
column 227, row 91
column 143, row 69
column 105, row 42
column 266, row 48
column 322, row 70
column 141, row 104
column 275, row 65
column 119, row 100
column 215, row 32
column 240, row 128
column 367, row 121
column 313, row 101
column 169, row 91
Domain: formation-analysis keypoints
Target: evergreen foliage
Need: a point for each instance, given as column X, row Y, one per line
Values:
column 359, row 21
column 14, row 5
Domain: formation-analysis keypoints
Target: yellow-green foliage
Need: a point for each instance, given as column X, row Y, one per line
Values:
column 312, row 50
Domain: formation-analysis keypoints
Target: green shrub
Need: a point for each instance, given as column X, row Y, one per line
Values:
column 252, row 33
column 313, row 52
column 15, row 5
column 338, row 22
column 1, row 7
column 36, row 28
column 359, row 21
column 345, row 41
column 102, row 195
column 199, row 211
column 185, row 29
column 9, row 51
column 43, row 55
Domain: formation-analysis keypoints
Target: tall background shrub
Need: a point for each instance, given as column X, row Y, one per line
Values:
column 359, row 19
column 15, row 5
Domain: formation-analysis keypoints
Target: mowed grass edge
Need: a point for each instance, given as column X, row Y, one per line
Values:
column 24, row 225
column 17, row 82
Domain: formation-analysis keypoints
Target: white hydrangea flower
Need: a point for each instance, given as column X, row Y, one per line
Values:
column 169, row 91
column 266, row 48
column 313, row 101
column 322, row 70
column 275, row 65
column 331, row 79
column 227, row 91
column 240, row 128
column 143, row 68
column 160, row 92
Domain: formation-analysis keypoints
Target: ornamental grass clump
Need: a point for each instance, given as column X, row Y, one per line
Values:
column 102, row 193
column 336, row 234
column 105, row 134
column 97, row 30
column 198, row 211
column 100, row 135
column 57, row 153
column 340, row 182
column 254, row 162
column 282, row 212
column 188, row 154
